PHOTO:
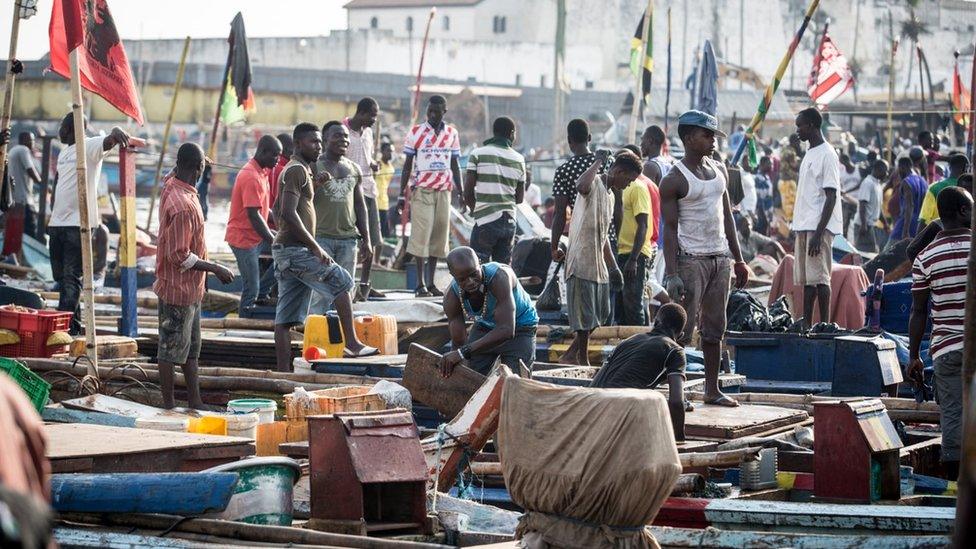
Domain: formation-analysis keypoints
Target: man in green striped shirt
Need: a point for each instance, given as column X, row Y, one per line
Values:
column 494, row 183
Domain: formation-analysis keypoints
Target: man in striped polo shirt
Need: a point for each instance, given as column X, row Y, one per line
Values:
column 493, row 185
column 431, row 171
column 939, row 274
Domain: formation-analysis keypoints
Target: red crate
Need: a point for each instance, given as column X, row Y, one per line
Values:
column 33, row 327
column 23, row 319
column 32, row 345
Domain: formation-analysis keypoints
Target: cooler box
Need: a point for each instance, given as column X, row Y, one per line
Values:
column 783, row 356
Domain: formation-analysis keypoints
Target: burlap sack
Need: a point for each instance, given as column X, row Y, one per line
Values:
column 591, row 467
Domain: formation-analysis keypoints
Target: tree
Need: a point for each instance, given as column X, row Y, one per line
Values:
column 912, row 29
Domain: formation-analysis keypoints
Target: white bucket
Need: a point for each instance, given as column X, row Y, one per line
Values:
column 242, row 425
column 264, row 408
column 163, row 423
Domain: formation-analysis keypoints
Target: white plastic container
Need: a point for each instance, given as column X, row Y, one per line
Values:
column 163, row 423
column 264, row 408
column 242, row 425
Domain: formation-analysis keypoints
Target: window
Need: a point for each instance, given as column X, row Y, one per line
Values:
column 374, row 23
column 409, row 24
column 447, row 23
column 498, row 24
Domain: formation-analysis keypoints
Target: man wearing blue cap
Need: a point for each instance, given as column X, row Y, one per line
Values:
column 700, row 242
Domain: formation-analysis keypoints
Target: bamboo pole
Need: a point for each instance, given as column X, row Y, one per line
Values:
column 728, row 458
column 891, row 92
column 84, row 228
column 169, row 124
column 415, row 110
column 642, row 57
column 767, row 98
column 688, row 483
column 8, row 91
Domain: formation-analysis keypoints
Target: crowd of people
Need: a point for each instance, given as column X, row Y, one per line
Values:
column 642, row 238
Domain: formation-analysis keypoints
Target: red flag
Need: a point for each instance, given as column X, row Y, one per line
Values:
column 104, row 67
column 961, row 99
column 831, row 75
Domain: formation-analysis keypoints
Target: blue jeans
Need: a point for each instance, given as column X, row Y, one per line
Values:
column 493, row 241
column 299, row 273
column 343, row 252
column 256, row 284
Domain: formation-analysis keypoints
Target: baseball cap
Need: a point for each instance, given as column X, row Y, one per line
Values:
column 702, row 120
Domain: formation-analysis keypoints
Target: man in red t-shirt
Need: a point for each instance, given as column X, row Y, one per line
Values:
column 247, row 227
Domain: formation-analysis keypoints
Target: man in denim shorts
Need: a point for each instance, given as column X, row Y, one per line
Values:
column 301, row 265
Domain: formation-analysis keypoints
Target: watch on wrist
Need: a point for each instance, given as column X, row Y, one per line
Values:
column 465, row 352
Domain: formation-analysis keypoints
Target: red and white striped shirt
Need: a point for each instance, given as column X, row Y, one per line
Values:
column 180, row 245
column 432, row 151
column 941, row 269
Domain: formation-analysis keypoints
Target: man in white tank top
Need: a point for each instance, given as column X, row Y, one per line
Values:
column 700, row 243
column 656, row 166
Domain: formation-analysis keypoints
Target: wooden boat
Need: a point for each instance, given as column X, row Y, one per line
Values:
column 467, row 433
column 185, row 494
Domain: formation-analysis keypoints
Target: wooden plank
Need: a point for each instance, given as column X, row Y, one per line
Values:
column 109, row 346
column 87, row 441
column 422, row 377
column 173, row 493
column 116, row 406
column 722, row 422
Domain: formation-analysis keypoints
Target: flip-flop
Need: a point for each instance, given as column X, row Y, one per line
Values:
column 364, row 352
column 724, row 400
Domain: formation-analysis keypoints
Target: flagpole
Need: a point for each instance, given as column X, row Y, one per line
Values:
column 891, row 92
column 767, row 99
column 972, row 110
column 415, row 110
column 667, row 93
column 642, row 56
column 169, row 124
column 84, row 224
column 921, row 85
column 8, row 93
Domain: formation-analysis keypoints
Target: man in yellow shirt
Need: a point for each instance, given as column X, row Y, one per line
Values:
column 958, row 164
column 632, row 213
column 383, row 177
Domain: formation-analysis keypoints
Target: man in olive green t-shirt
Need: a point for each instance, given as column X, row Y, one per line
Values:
column 340, row 210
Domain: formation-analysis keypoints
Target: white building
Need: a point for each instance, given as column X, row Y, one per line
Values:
column 511, row 42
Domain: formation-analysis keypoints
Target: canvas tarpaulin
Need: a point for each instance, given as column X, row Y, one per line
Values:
column 591, row 467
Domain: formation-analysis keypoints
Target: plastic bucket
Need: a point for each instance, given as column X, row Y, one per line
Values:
column 264, row 492
column 263, row 407
column 242, row 425
column 163, row 423
column 208, row 425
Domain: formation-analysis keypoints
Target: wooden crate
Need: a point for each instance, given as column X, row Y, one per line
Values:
column 353, row 398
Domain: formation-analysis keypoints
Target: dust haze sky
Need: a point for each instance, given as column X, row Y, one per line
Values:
column 179, row 18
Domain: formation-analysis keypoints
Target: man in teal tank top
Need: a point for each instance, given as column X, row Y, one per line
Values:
column 503, row 317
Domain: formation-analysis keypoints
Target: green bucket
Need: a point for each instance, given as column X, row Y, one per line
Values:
column 264, row 492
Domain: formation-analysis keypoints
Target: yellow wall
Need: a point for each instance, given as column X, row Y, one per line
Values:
column 51, row 99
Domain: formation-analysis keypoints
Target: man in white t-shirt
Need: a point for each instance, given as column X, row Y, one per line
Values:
column 64, row 226
column 816, row 215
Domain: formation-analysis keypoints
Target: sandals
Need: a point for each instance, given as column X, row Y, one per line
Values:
column 724, row 400
column 364, row 352
column 422, row 291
